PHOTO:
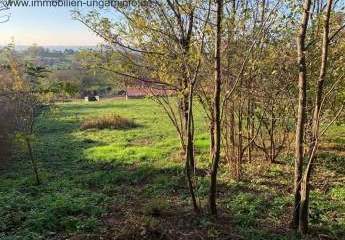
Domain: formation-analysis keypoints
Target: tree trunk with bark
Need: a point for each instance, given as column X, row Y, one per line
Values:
column 301, row 115
column 190, row 149
column 305, row 185
column 216, row 112
column 33, row 161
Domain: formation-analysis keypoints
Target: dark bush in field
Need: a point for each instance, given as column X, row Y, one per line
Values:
column 6, row 128
column 111, row 121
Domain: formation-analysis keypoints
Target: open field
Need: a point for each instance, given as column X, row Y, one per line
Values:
column 129, row 184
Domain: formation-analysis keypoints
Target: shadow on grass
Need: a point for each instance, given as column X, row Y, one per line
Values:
column 81, row 199
column 76, row 193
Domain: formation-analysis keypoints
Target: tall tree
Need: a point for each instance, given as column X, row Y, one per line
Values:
column 160, row 44
column 301, row 115
column 305, row 181
column 216, row 109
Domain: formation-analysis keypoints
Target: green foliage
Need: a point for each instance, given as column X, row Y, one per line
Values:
column 165, row 184
column 86, row 174
column 42, row 212
column 246, row 207
column 338, row 192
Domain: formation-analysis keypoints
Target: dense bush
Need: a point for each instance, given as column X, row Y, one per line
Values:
column 111, row 121
column 6, row 128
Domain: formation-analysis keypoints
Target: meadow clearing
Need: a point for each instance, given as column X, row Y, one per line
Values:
column 130, row 184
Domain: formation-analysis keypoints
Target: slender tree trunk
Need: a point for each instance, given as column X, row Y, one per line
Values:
column 232, row 103
column 305, row 188
column 252, row 128
column 232, row 130
column 272, row 134
column 33, row 162
column 190, row 149
column 212, row 125
column 301, row 115
column 216, row 112
column 249, row 124
column 240, row 145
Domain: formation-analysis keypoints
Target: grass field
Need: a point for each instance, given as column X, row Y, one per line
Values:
column 129, row 184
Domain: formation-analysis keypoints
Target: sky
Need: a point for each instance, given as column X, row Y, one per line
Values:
column 45, row 27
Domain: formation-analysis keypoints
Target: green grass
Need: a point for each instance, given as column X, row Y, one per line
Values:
column 106, row 183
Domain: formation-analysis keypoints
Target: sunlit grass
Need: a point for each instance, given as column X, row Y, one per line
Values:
column 86, row 173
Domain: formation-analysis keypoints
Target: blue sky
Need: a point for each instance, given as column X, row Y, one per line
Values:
column 45, row 26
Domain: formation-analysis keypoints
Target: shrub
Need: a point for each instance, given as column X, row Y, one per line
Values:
column 111, row 121
column 156, row 208
column 6, row 128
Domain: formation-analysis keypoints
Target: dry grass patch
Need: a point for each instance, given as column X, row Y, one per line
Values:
column 111, row 121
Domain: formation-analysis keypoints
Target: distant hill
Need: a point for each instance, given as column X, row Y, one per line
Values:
column 54, row 48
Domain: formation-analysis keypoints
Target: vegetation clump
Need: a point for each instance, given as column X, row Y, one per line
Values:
column 111, row 121
column 156, row 208
column 6, row 125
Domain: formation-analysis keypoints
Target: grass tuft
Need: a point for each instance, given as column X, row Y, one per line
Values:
column 111, row 121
